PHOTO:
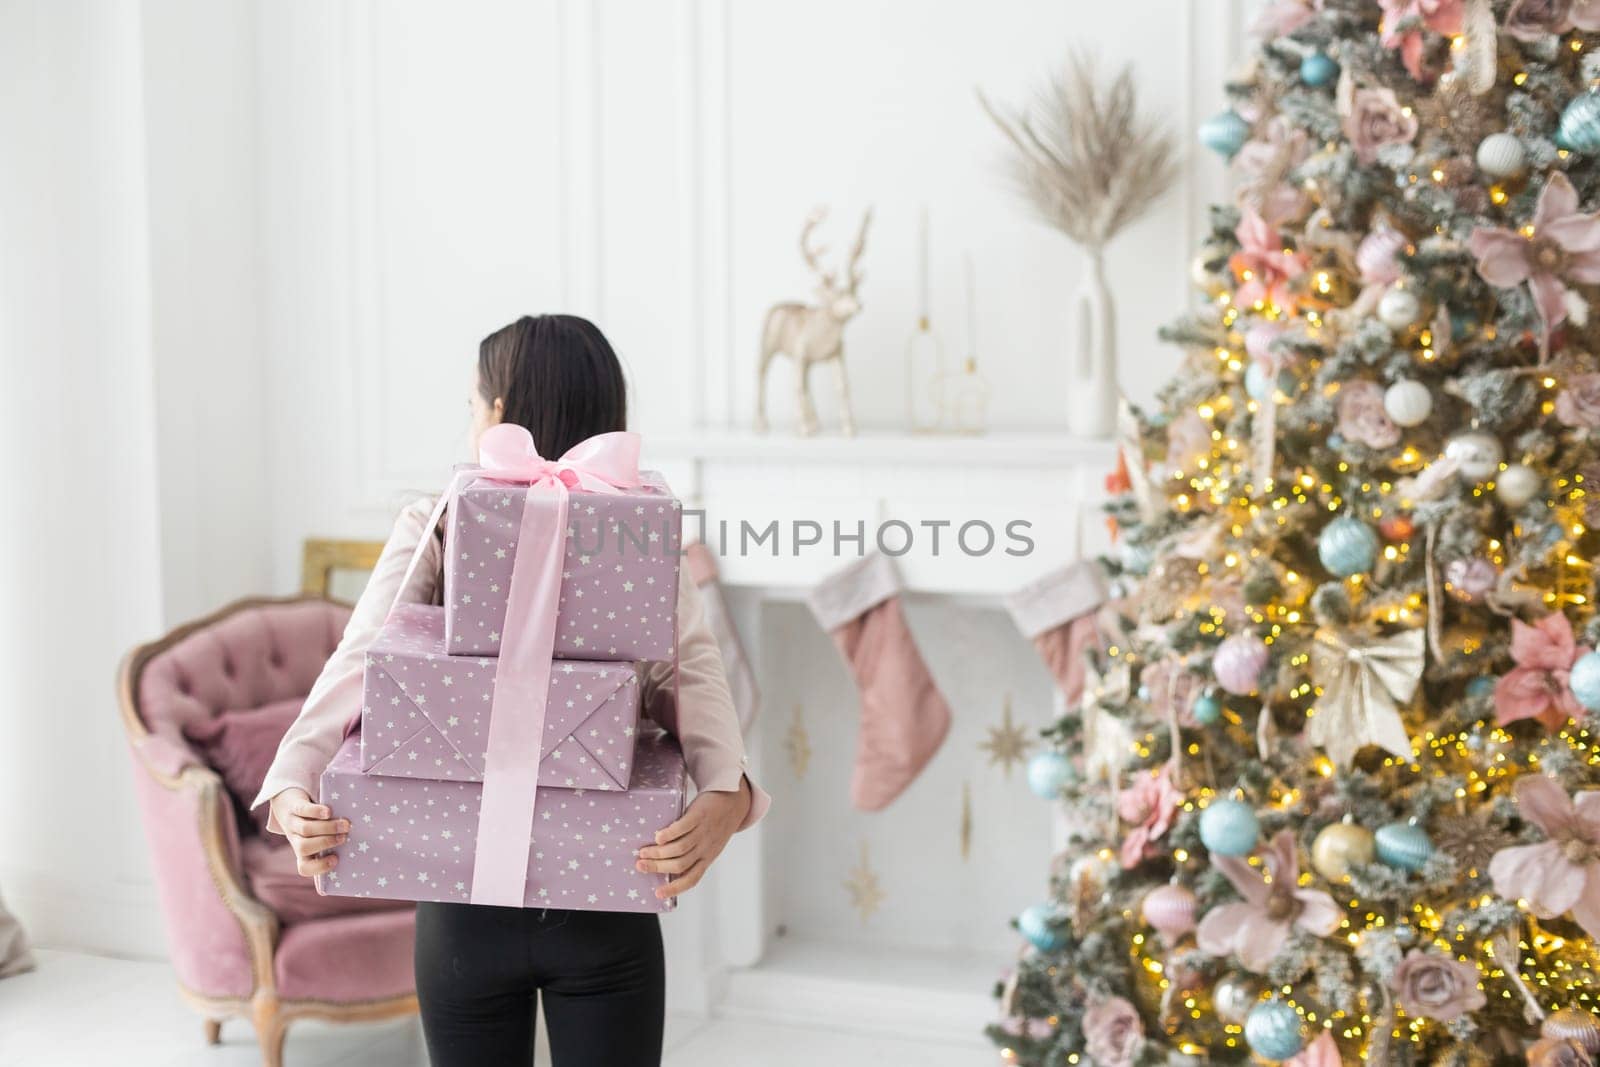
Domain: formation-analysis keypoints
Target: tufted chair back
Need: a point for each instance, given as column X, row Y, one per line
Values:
column 232, row 953
column 249, row 654
column 257, row 655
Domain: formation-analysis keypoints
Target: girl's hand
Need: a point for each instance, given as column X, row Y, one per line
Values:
column 311, row 830
column 687, row 847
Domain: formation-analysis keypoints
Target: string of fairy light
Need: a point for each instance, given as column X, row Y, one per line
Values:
column 1222, row 482
column 1482, row 758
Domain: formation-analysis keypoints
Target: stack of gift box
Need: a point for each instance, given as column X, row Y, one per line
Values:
column 410, row 780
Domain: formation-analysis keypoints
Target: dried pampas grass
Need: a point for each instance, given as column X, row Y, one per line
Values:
column 1084, row 157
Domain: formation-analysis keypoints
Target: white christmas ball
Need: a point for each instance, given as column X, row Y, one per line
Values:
column 1518, row 484
column 1501, row 155
column 1408, row 403
column 1477, row 455
column 1399, row 308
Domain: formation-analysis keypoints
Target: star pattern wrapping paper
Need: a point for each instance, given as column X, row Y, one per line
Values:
column 425, row 714
column 414, row 838
column 619, row 578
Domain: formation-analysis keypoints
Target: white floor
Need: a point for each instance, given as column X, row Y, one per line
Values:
column 86, row 1011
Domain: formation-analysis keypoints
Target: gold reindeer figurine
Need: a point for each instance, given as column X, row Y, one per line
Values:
column 814, row 333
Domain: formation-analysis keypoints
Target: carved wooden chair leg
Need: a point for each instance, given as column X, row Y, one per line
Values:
column 213, row 1031
column 271, row 1029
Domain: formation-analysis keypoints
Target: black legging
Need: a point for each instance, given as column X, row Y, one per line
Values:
column 602, row 976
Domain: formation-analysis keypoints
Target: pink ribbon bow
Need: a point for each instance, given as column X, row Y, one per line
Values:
column 605, row 463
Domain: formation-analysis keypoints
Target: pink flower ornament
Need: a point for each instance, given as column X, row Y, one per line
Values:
column 1263, row 266
column 1256, row 928
column 1582, row 15
column 1151, row 805
column 1529, row 20
column 1560, row 245
column 1281, row 17
column 1578, row 405
column 1264, row 165
column 1562, row 873
column 1404, row 21
column 1538, row 686
column 1362, row 416
column 1377, row 118
column 1431, row 985
column 1323, row 1052
column 1113, row 1032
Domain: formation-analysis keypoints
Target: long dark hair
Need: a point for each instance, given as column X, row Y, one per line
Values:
column 558, row 376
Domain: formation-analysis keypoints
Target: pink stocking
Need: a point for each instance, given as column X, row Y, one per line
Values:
column 1058, row 613
column 904, row 718
column 702, row 569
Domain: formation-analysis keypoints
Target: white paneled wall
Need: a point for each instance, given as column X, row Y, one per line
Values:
column 428, row 173
column 252, row 246
column 82, row 537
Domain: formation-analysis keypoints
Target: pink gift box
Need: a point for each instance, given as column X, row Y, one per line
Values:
column 414, row 838
column 619, row 589
column 426, row 715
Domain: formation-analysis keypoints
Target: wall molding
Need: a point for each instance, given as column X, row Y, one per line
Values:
column 106, row 918
column 582, row 149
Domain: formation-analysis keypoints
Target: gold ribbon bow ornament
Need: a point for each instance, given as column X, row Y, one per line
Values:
column 1363, row 686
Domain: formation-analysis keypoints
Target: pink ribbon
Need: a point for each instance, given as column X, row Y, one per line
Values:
column 605, row 463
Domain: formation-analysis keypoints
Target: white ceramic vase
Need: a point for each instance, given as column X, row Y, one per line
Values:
column 1092, row 372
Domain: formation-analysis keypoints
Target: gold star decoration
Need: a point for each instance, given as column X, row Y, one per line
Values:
column 866, row 895
column 1007, row 743
column 797, row 743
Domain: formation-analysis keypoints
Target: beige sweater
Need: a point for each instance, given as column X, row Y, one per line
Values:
column 706, row 725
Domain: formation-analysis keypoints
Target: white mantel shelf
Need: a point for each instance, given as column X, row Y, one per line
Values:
column 1004, row 449
column 1052, row 482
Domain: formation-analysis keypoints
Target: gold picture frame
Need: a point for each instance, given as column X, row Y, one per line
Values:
column 323, row 560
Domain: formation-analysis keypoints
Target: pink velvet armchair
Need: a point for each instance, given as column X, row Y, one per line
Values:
column 248, row 936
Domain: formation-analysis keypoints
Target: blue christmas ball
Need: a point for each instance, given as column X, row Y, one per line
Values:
column 1403, row 845
column 1207, row 709
column 1261, row 386
column 1041, row 925
column 1480, row 686
column 1229, row 828
column 1225, row 133
column 1048, row 774
column 1273, row 1030
column 1136, row 559
column 1579, row 129
column 1347, row 546
column 1335, row 441
column 1318, row 69
column 1585, row 681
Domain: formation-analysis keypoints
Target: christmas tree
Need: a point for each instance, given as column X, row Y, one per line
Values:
column 1334, row 777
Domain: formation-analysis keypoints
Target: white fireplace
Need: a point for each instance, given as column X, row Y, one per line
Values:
column 776, row 933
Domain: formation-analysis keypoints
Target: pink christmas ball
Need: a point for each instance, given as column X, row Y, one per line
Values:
column 1377, row 256
column 1258, row 340
column 1170, row 910
column 1469, row 579
column 1238, row 663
